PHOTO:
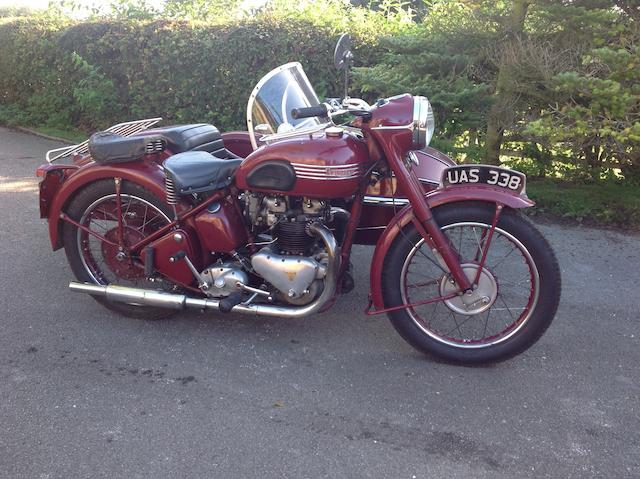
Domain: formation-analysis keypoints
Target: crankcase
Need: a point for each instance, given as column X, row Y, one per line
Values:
column 291, row 275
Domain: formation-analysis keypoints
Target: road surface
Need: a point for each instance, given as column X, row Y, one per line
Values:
column 85, row 393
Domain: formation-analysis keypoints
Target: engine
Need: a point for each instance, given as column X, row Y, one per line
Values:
column 292, row 260
column 286, row 220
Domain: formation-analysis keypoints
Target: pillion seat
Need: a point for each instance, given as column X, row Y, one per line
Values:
column 199, row 171
column 106, row 147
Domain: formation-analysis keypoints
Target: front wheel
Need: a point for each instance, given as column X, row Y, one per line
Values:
column 513, row 303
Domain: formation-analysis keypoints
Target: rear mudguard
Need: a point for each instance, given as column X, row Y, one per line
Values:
column 435, row 198
column 52, row 177
column 149, row 175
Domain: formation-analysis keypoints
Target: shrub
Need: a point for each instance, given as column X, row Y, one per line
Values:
column 94, row 73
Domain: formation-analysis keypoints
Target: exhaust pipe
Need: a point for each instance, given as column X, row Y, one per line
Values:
column 146, row 297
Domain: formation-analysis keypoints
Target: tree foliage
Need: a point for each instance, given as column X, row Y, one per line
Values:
column 553, row 82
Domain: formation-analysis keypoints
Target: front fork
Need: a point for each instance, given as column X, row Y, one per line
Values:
column 433, row 236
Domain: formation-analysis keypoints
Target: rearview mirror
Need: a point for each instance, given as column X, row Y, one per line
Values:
column 342, row 55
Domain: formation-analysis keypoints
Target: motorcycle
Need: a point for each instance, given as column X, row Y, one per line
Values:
column 262, row 222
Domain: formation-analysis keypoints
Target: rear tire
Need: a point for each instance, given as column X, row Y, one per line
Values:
column 424, row 326
column 88, row 198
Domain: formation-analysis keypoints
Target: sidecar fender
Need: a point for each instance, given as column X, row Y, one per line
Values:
column 238, row 143
column 434, row 198
column 146, row 174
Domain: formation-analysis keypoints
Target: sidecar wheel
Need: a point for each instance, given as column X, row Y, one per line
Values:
column 515, row 301
column 92, row 261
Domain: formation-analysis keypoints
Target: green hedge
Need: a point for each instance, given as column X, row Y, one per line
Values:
column 92, row 74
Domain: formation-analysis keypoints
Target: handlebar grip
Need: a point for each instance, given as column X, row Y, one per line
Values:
column 308, row 112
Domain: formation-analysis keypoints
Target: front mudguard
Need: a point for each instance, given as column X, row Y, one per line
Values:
column 149, row 175
column 453, row 194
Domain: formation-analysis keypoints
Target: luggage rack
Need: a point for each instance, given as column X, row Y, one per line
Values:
column 125, row 129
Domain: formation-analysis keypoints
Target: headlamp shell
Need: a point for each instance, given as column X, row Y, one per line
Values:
column 423, row 122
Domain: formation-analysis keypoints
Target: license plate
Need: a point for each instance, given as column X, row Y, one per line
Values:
column 486, row 175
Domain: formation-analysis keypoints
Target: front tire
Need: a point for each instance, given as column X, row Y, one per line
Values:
column 514, row 302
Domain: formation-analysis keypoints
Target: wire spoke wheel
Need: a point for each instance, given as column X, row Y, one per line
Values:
column 510, row 306
column 105, row 263
column 504, row 299
column 94, row 260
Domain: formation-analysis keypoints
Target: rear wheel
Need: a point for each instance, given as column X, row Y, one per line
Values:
column 513, row 303
column 95, row 261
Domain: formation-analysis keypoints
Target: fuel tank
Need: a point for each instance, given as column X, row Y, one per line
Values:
column 318, row 165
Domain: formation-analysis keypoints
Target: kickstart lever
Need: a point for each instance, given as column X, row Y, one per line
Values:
column 181, row 255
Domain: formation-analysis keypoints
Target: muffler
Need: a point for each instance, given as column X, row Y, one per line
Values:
column 146, row 297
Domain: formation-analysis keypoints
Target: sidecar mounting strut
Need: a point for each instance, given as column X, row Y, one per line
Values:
column 370, row 311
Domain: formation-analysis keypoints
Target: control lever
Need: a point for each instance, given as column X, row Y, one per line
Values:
column 226, row 304
column 181, row 255
column 355, row 104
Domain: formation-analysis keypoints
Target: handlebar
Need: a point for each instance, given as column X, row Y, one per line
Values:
column 308, row 112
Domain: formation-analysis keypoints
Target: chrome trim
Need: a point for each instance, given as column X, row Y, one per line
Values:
column 125, row 129
column 331, row 167
column 432, row 182
column 326, row 178
column 353, row 130
column 350, row 172
column 423, row 121
column 410, row 126
column 372, row 228
column 330, row 172
column 386, row 201
column 145, row 297
column 293, row 133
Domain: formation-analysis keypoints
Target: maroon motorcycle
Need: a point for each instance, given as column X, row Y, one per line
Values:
column 263, row 222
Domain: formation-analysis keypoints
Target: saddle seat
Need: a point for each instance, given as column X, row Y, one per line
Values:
column 199, row 171
column 196, row 137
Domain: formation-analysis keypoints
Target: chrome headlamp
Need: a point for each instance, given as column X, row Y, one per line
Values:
column 423, row 122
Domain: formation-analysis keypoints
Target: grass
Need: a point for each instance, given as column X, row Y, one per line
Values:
column 601, row 204
column 14, row 117
column 75, row 136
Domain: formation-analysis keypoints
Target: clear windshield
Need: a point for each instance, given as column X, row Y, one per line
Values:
column 276, row 94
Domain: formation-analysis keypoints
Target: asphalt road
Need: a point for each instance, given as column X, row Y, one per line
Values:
column 85, row 393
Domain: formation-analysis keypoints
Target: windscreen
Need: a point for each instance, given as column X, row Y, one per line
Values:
column 275, row 95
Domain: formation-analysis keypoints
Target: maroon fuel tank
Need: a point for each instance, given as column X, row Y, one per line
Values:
column 318, row 165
